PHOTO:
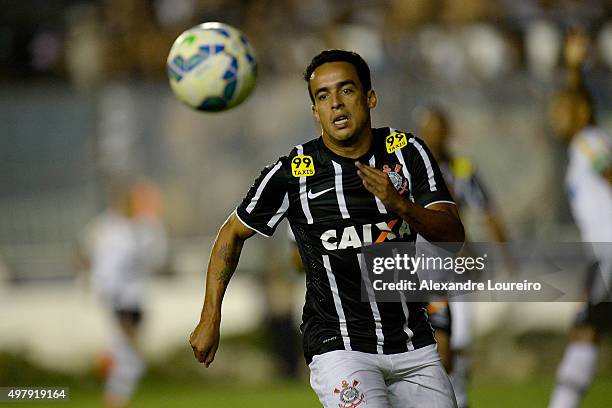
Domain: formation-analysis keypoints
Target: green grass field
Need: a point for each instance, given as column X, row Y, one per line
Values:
column 484, row 393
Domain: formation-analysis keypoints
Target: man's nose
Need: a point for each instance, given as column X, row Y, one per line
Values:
column 336, row 100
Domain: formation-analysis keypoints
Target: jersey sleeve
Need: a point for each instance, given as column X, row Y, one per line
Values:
column 427, row 183
column 267, row 201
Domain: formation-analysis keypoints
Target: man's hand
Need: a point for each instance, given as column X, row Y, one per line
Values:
column 204, row 340
column 439, row 222
column 378, row 183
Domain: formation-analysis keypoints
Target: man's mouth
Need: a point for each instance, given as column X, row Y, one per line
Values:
column 340, row 121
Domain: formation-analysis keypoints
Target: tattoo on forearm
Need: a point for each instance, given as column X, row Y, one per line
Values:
column 229, row 256
column 225, row 275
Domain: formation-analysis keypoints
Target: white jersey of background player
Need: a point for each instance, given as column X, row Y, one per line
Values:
column 122, row 248
column 588, row 184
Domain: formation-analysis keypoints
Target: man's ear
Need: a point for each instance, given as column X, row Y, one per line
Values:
column 315, row 113
column 372, row 99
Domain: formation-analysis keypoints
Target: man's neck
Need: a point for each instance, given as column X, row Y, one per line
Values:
column 354, row 148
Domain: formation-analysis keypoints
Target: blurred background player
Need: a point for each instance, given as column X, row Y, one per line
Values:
column 121, row 248
column 588, row 184
column 452, row 320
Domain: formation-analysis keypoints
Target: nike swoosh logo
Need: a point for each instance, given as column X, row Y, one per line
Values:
column 312, row 196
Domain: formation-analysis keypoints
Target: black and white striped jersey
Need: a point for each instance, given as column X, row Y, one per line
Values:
column 332, row 216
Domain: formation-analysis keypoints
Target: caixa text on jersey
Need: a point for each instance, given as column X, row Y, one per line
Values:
column 356, row 236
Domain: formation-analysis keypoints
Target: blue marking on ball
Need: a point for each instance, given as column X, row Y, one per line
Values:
column 173, row 74
column 229, row 90
column 213, row 104
column 221, row 31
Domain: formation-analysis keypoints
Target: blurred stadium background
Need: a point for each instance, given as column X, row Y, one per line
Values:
column 84, row 97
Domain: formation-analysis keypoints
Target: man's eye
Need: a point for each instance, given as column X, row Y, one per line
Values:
column 346, row 91
column 322, row 97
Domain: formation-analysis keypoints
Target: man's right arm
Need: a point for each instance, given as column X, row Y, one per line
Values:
column 221, row 266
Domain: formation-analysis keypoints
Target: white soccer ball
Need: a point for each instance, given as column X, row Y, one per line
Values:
column 212, row 67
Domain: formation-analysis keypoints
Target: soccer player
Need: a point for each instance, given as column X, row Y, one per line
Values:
column 352, row 186
column 589, row 188
column 452, row 320
column 121, row 247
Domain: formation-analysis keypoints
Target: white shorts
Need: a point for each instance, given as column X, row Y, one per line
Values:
column 351, row 379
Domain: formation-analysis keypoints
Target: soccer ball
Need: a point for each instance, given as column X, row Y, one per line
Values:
column 212, row 67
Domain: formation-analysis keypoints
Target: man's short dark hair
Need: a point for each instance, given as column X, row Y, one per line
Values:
column 363, row 71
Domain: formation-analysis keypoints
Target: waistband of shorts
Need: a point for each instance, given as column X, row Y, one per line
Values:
column 390, row 350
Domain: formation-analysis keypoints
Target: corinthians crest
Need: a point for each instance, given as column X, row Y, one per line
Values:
column 399, row 181
column 350, row 396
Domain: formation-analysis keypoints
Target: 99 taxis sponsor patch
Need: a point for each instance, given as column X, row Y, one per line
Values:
column 395, row 140
column 302, row 166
